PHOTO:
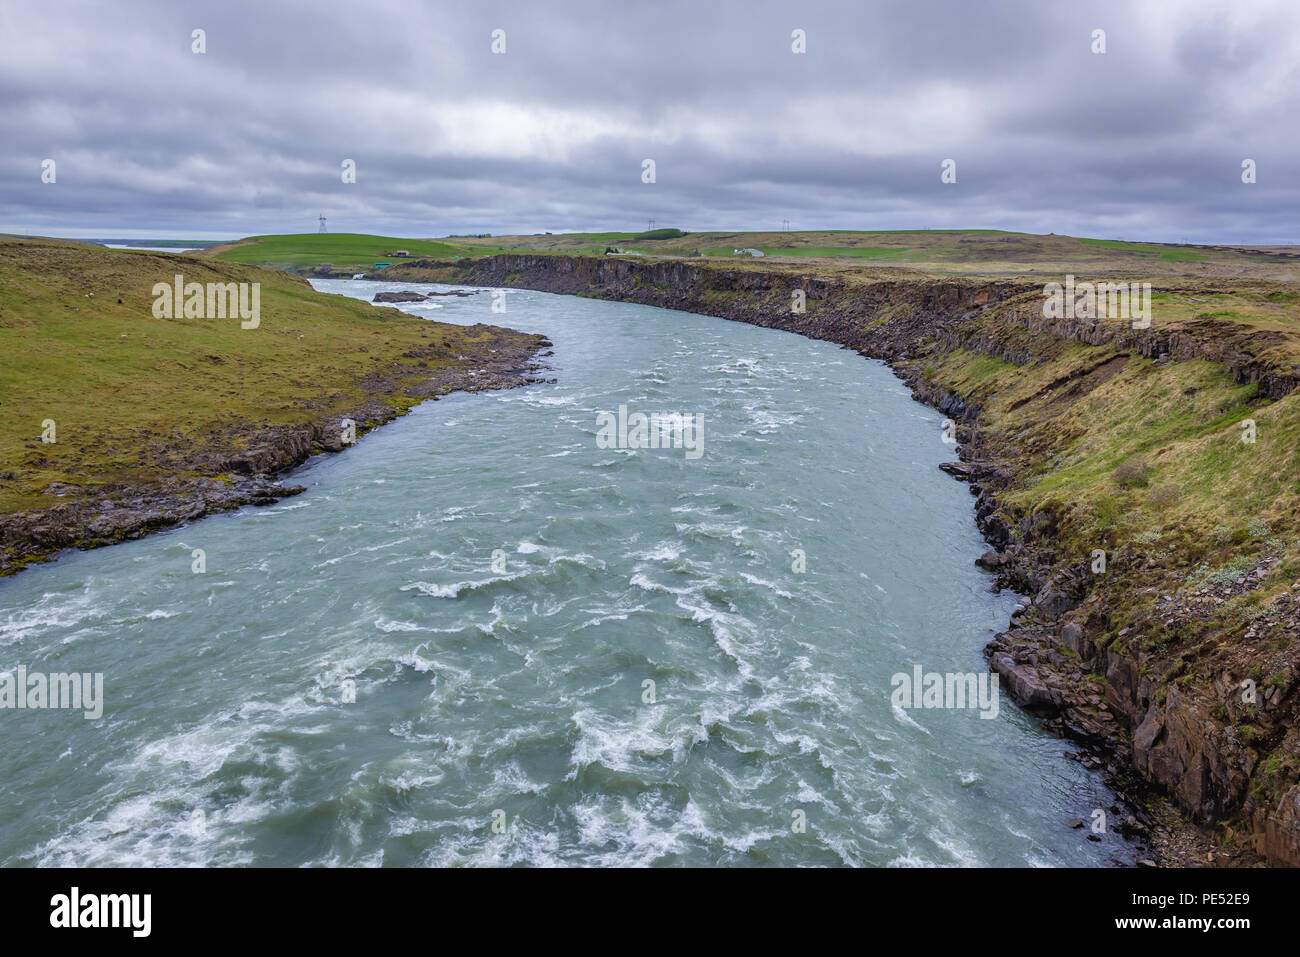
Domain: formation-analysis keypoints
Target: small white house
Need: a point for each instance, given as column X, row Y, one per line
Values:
column 747, row 252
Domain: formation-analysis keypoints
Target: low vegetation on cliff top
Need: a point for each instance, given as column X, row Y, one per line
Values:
column 935, row 251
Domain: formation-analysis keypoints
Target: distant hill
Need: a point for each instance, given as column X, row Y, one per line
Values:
column 298, row 251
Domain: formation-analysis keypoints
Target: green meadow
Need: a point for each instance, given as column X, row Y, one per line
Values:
column 134, row 397
column 339, row 250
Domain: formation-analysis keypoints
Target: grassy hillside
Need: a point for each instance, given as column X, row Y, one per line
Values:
column 1142, row 457
column 135, row 398
column 340, row 250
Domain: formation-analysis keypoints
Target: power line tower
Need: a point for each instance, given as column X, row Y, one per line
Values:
column 322, row 223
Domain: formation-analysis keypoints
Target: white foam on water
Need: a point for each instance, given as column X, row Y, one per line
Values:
column 627, row 745
column 901, row 715
column 640, row 580
column 641, row 833
column 384, row 624
column 52, row 611
column 546, row 401
column 454, row 589
column 960, row 854
column 771, row 586
column 662, row 552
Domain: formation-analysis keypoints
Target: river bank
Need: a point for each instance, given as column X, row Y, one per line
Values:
column 122, row 424
column 252, row 475
column 1156, row 548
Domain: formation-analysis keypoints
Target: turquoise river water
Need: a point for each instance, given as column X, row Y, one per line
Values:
column 559, row 653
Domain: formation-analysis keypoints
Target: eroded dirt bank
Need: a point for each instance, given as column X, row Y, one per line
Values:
column 1176, row 664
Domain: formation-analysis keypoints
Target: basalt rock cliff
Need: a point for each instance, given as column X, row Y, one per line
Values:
column 1138, row 664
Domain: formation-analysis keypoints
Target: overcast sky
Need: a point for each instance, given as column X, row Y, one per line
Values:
column 1145, row 141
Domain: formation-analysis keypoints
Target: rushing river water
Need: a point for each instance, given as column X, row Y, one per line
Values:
column 509, row 687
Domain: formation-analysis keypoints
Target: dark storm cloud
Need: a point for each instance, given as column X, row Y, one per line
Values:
column 1144, row 142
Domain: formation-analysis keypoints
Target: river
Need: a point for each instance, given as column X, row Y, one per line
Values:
column 480, row 637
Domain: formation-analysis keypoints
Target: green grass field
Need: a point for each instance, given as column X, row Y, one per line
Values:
column 340, row 250
column 132, row 396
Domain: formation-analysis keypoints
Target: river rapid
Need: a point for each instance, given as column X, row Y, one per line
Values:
column 483, row 637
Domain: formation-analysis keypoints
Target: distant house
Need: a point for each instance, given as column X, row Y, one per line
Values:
column 748, row 252
column 398, row 252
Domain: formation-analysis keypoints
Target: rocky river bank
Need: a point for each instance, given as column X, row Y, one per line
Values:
column 245, row 464
column 1133, row 666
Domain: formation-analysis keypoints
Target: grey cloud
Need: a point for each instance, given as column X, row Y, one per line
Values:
column 1145, row 142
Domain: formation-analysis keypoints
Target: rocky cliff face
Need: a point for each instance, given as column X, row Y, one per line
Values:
column 887, row 320
column 1160, row 718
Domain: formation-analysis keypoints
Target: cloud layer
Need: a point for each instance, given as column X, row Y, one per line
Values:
column 1145, row 141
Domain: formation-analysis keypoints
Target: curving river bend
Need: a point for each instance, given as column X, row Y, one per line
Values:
column 517, row 696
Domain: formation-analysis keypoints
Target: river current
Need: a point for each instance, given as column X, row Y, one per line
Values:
column 483, row 637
